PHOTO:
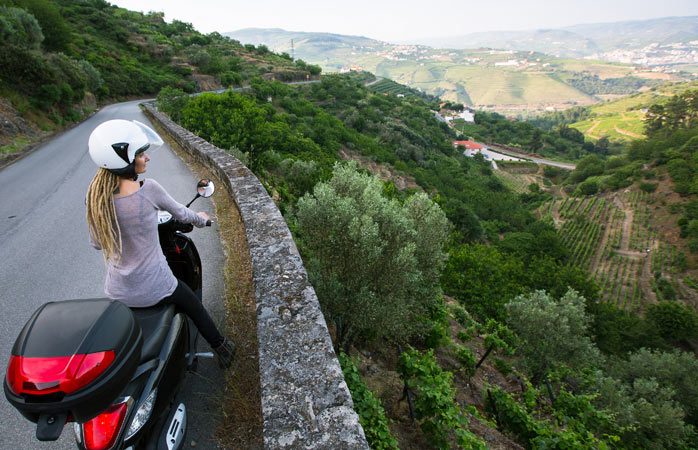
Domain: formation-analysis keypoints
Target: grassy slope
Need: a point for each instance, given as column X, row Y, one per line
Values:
column 622, row 120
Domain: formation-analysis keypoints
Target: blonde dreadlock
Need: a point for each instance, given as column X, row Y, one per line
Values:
column 101, row 213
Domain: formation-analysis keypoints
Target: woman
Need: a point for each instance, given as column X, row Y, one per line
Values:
column 122, row 219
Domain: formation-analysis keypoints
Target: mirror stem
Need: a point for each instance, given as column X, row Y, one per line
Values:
column 192, row 200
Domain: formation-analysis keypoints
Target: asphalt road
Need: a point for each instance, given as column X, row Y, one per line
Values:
column 45, row 256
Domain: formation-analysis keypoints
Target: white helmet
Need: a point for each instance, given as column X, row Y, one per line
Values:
column 114, row 144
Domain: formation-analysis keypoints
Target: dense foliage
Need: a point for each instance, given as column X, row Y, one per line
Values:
column 378, row 250
column 55, row 52
column 575, row 422
column 593, row 85
column 551, row 332
column 374, row 262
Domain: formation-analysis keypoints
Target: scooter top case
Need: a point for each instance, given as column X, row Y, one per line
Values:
column 72, row 359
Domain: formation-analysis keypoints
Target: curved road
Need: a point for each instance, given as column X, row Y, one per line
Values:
column 45, row 256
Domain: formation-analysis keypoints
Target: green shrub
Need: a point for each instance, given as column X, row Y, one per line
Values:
column 19, row 27
column 47, row 96
column 367, row 406
column 648, row 187
column 464, row 336
column 467, row 359
column 435, row 402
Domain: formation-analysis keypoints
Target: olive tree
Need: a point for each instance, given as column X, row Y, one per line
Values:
column 551, row 332
column 647, row 410
column 674, row 369
column 373, row 261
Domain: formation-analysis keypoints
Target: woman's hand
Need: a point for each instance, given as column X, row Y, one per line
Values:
column 204, row 215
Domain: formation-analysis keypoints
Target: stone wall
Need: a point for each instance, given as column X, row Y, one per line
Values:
column 305, row 400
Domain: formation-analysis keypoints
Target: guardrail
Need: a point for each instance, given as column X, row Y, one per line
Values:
column 305, row 401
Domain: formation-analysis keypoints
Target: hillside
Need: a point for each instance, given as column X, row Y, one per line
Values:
column 622, row 120
column 60, row 59
column 624, row 239
column 514, row 82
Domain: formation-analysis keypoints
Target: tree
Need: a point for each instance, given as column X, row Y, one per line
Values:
column 602, row 145
column 171, row 101
column 588, row 166
column 588, row 187
column 19, row 27
column 374, row 262
column 674, row 321
column 483, row 279
column 464, row 219
column 647, row 410
column 551, row 332
column 673, row 369
column 57, row 34
column 655, row 393
column 229, row 120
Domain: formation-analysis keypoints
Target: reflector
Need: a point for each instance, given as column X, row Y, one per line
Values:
column 67, row 374
column 102, row 431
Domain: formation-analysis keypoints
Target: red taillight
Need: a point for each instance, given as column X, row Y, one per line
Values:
column 102, row 431
column 40, row 376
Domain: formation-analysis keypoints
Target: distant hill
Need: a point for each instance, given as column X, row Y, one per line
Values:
column 562, row 43
column 331, row 50
column 580, row 40
column 511, row 81
column 277, row 37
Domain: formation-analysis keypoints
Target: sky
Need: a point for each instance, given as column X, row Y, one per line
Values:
column 406, row 20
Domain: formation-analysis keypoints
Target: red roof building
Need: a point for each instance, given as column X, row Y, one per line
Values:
column 469, row 145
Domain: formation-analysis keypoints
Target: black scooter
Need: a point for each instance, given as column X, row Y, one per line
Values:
column 111, row 370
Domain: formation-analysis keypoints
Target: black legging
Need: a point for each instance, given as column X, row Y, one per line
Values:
column 186, row 300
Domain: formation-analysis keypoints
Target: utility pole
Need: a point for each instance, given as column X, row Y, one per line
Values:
column 293, row 51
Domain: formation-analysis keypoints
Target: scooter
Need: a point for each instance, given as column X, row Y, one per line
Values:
column 112, row 370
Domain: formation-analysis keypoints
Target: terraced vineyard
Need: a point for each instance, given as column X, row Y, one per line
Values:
column 388, row 86
column 613, row 238
column 623, row 120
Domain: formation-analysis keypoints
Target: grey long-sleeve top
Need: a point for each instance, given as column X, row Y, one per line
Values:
column 141, row 277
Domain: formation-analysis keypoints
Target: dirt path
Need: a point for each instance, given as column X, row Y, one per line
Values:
column 627, row 133
column 631, row 254
column 374, row 81
column 591, row 130
column 596, row 263
column 647, row 291
column 627, row 227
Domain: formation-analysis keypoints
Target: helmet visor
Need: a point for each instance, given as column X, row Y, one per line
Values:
column 154, row 139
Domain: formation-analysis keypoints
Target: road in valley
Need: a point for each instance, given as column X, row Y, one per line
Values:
column 45, row 256
column 528, row 157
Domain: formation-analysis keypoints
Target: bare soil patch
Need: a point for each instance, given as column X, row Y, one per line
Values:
column 385, row 173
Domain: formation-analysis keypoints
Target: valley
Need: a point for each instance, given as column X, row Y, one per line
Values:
column 497, row 72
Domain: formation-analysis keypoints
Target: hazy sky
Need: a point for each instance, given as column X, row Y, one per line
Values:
column 394, row 20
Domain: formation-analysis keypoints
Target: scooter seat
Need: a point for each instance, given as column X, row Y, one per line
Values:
column 155, row 323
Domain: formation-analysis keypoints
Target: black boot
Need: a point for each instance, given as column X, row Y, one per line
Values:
column 225, row 353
